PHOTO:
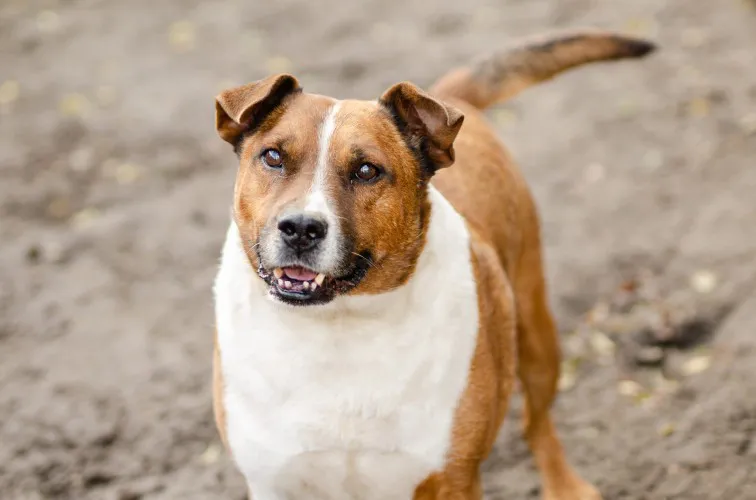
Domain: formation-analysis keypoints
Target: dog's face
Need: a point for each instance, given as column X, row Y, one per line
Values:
column 331, row 196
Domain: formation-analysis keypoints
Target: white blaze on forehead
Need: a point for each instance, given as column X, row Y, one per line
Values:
column 316, row 198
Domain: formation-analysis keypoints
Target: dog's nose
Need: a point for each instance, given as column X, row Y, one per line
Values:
column 302, row 232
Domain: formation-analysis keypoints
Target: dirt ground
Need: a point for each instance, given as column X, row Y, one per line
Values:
column 114, row 197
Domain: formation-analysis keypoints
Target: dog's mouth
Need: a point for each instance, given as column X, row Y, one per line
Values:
column 299, row 285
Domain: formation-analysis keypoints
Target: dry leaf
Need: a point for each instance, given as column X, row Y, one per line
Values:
column 641, row 27
column 574, row 344
column 127, row 173
column 9, row 91
column 568, row 376
column 503, row 117
column 601, row 344
column 627, row 108
column 590, row 433
column 279, row 64
column 74, row 105
column 645, row 397
column 748, row 123
column 85, row 217
column 211, row 454
column 703, row 281
column 629, row 388
column 598, row 314
column 666, row 430
column 181, row 36
column 663, row 385
column 695, row 365
column 700, row 107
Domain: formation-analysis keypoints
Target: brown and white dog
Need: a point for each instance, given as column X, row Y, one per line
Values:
column 374, row 308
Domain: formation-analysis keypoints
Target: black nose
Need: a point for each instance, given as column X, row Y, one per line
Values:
column 302, row 232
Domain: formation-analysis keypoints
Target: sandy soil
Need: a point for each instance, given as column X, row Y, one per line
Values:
column 114, row 199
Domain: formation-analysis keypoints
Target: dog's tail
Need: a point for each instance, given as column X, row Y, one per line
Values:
column 500, row 76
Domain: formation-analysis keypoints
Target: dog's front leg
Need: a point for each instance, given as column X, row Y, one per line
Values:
column 462, row 484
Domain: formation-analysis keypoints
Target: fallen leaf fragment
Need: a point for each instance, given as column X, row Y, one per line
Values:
column 211, row 454
column 629, row 388
column 601, row 344
column 279, row 64
column 703, row 281
column 666, row 430
column 74, row 105
column 697, row 364
column 9, row 92
column 181, row 36
column 85, row 217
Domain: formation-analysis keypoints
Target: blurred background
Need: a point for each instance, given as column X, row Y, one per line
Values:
column 115, row 194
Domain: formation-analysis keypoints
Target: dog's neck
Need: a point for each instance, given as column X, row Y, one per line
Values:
column 447, row 241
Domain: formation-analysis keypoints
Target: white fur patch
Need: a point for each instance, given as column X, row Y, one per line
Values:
column 317, row 198
column 354, row 399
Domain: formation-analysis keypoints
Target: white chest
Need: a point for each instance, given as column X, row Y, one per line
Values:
column 339, row 404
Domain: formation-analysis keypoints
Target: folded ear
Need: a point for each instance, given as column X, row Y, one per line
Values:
column 425, row 117
column 241, row 108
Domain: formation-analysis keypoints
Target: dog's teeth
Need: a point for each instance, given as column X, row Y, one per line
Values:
column 280, row 282
column 278, row 272
column 287, row 284
column 313, row 286
column 320, row 278
column 306, row 285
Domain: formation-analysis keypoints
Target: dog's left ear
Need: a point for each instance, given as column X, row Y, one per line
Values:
column 426, row 118
column 241, row 108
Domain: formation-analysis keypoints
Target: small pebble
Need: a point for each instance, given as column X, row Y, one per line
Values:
column 649, row 356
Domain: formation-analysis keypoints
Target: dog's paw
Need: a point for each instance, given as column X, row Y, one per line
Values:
column 577, row 490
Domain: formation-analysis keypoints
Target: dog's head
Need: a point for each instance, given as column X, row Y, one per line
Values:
column 331, row 196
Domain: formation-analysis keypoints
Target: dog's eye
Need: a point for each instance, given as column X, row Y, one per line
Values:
column 367, row 173
column 272, row 158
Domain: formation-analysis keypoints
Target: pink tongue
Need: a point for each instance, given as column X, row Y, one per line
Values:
column 299, row 273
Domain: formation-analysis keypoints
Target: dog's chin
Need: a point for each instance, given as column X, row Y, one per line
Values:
column 301, row 286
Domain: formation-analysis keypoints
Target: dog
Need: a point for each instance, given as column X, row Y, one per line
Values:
column 374, row 307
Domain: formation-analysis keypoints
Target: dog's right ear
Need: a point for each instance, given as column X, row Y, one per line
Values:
column 240, row 109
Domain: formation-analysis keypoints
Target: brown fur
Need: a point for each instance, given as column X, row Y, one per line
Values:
column 517, row 334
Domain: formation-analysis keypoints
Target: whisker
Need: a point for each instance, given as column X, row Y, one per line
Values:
column 369, row 261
